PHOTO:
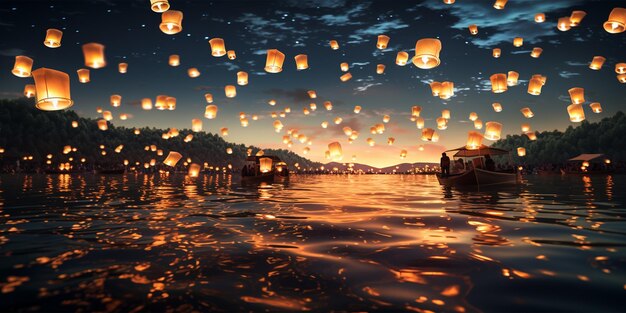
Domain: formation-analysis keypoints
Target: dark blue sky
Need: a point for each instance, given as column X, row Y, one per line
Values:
column 129, row 29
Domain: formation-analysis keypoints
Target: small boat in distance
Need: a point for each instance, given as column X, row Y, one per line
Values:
column 265, row 168
column 471, row 168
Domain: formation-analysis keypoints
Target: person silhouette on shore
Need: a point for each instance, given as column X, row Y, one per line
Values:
column 445, row 164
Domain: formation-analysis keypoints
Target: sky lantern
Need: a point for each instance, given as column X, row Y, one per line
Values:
column 382, row 42
column 416, row 110
column 94, row 55
column 448, row 1
column 188, row 138
column 123, row 116
column 536, row 52
column 116, row 100
column 620, row 68
column 596, row 107
column 597, row 62
column 445, row 114
column 435, row 88
column 306, row 111
column 137, row 131
column 499, row 4
column 160, row 102
column 102, row 124
column 171, row 22
column 403, row 153
column 22, row 67
column 497, row 107
column 345, row 77
column 447, row 90
column 521, row 151
column 244, row 122
column 29, row 91
column 540, row 17
column 193, row 72
column 278, row 126
column 122, row 68
column 224, row 131
column 274, row 61
column 174, row 60
column 334, row 44
column 534, row 86
column 53, row 38
column 498, row 83
column 159, row 6
column 542, row 78
column 442, row 123
column 391, row 140
column 370, row 142
column 218, row 48
column 272, row 102
column 196, row 125
column 230, row 91
column 357, row 109
column 473, row 116
column 146, row 104
column 427, row 53
column 525, row 127
column 380, row 128
column 616, row 22
column 313, row 106
column 208, row 97
column 532, row 136
column 242, row 78
column 380, row 69
column 347, row 131
column 576, row 17
column 210, row 111
column 338, row 120
column 302, row 62
column 194, row 170
column 74, row 124
column 231, row 55
column 344, row 66
column 564, row 24
column 527, row 112
column 419, row 122
column 83, row 75
column 493, row 130
column 473, row 29
column 98, row 110
column 172, row 158
column 173, row 132
column 324, row 124
column 312, row 94
column 402, row 58
column 576, row 112
column 478, row 124
column 265, row 164
column 518, row 41
column 335, row 150
column 621, row 78
column 474, row 140
column 496, row 52
column 429, row 134
column 577, row 95
column 386, row 118
column 107, row 115
column 52, row 89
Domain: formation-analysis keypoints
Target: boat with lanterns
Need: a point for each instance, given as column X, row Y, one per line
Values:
column 469, row 168
column 588, row 163
column 265, row 168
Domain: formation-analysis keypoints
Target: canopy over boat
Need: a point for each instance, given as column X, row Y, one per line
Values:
column 463, row 152
column 586, row 157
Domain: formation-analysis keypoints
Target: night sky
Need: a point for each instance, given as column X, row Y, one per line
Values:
column 130, row 32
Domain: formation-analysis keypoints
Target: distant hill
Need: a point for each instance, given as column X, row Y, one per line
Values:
column 399, row 168
column 607, row 136
column 27, row 131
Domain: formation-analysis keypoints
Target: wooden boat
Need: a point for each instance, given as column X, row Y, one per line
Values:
column 477, row 174
column 265, row 168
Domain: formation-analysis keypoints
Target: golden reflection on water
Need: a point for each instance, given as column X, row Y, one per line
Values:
column 375, row 242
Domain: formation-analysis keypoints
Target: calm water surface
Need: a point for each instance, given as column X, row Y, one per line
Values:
column 346, row 243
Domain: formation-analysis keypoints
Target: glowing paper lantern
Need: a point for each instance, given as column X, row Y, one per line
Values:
column 244, row 122
column 172, row 158
column 208, row 97
column 302, row 62
column 447, row 90
column 536, row 52
column 345, row 77
column 497, row 107
column 427, row 53
column 473, row 116
column 527, row 112
column 171, row 22
column 210, row 111
column 218, row 48
column 386, row 118
column 160, row 102
column 391, row 140
column 224, row 131
column 416, row 110
column 242, row 78
column 597, row 62
column 498, row 83
column 231, row 54
column 442, row 123
column 122, row 68
column 52, row 89
column 174, row 60
column 534, row 86
column 596, row 107
column 278, row 126
column 521, row 151
column 419, row 122
column 123, row 116
column 540, row 17
column 429, row 134
column 577, row 95
column 382, row 42
column 230, row 91
column 274, row 61
column 576, row 112
column 445, row 114
column 473, row 29
column 102, row 124
column 29, row 91
column 22, row 67
column 478, row 124
column 53, row 38
column 525, row 127
column 496, row 52
column 435, row 88
column 347, row 131
column 499, row 4
column 474, row 140
column 312, row 94
column 116, row 100
column 542, row 78
column 403, row 154
column 577, row 17
column 334, row 44
column 518, row 41
column 380, row 69
column 83, row 75
column 335, row 150
column 94, row 55
column 620, row 68
column 621, row 78
column 107, row 115
column 194, row 170
column 449, row 1
column 74, row 124
column 563, row 24
column 324, row 124
column 193, row 72
column 146, row 104
column 159, row 6
column 402, row 58
column 370, row 142
column 196, row 125
column 616, row 22
column 493, row 130
column 338, row 120
column 357, row 109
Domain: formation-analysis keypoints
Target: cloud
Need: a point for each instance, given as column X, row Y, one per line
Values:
column 230, row 66
column 574, row 63
column 567, row 74
column 332, row 4
column 366, row 86
column 292, row 95
column 11, row 52
column 348, row 18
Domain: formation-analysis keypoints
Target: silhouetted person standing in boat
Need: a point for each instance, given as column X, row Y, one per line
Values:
column 445, row 164
column 490, row 165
